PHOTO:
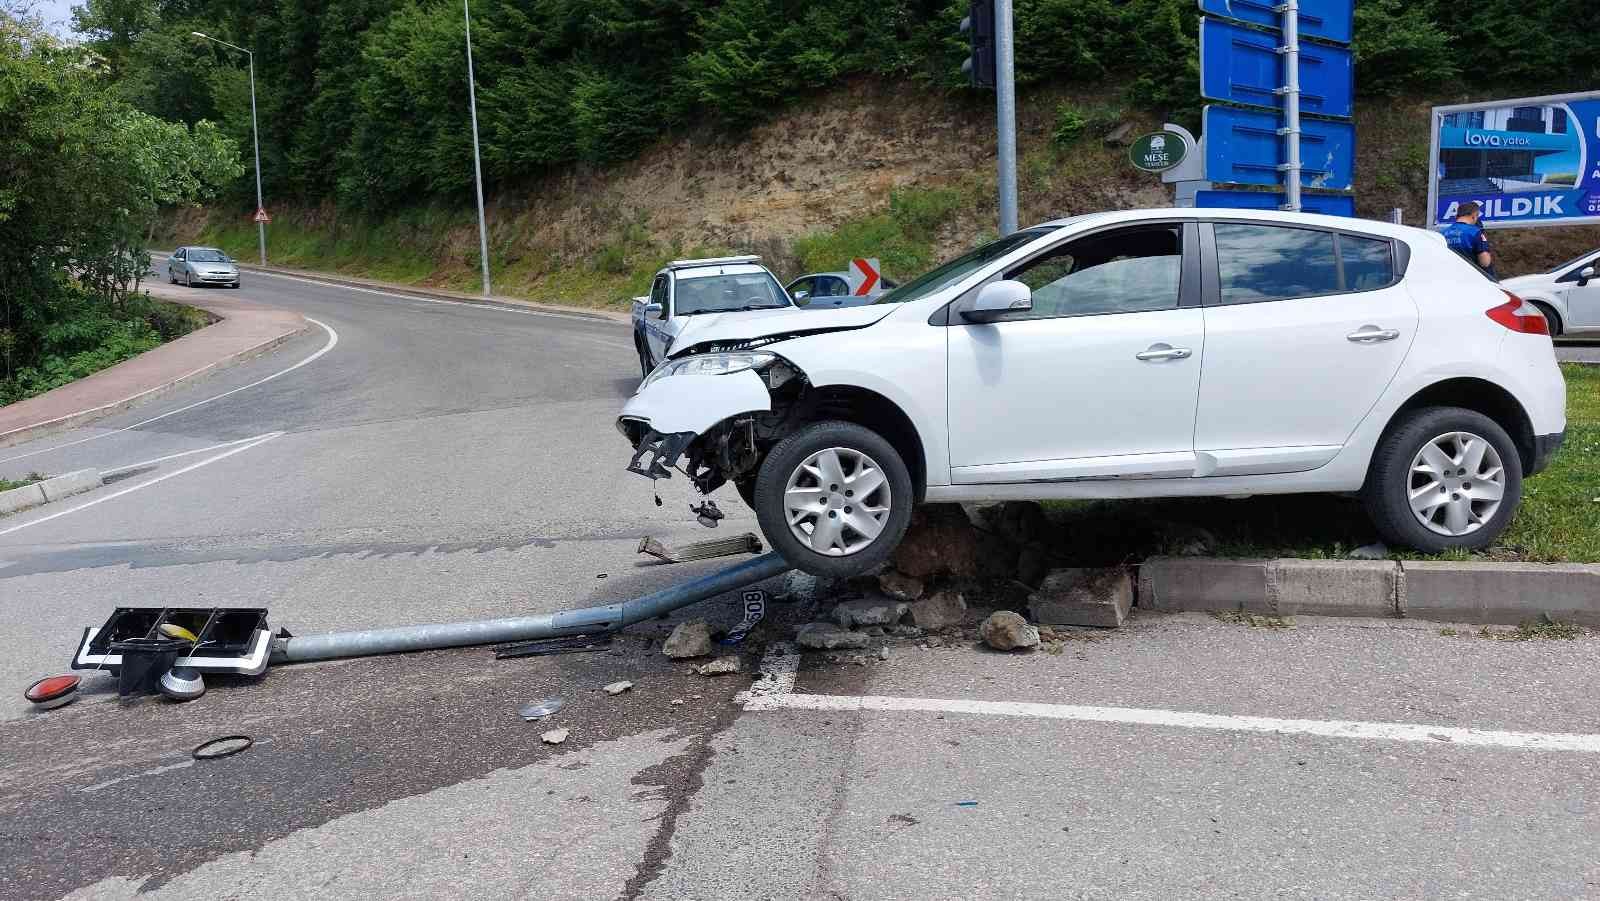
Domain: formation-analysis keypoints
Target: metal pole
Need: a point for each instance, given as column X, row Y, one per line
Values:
column 255, row 135
column 1291, row 103
column 1006, row 114
column 477, row 167
column 526, row 628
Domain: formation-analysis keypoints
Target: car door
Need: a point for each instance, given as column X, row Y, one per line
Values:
column 656, row 334
column 832, row 291
column 1098, row 380
column 1305, row 328
column 175, row 263
column 1582, row 301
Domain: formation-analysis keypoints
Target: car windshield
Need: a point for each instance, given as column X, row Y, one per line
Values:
column 963, row 266
column 202, row 255
column 729, row 294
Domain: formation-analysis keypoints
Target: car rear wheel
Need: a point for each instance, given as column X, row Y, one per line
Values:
column 1550, row 316
column 1444, row 478
column 834, row 499
column 188, row 280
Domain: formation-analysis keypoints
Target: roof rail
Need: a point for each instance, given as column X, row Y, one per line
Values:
column 712, row 261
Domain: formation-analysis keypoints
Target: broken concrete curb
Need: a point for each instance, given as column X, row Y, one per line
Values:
column 48, row 490
column 1436, row 591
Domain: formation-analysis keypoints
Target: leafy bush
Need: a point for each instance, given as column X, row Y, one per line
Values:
column 1069, row 125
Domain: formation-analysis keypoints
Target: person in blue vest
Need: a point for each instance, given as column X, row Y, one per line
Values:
column 1465, row 236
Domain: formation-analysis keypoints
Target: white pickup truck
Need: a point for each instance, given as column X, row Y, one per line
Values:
column 689, row 295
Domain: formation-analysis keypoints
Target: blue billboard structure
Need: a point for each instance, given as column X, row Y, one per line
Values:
column 1326, row 204
column 1243, row 146
column 1328, row 20
column 1252, row 55
column 1243, row 65
column 1526, row 162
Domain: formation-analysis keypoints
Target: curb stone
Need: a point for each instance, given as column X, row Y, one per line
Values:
column 44, row 492
column 1491, row 593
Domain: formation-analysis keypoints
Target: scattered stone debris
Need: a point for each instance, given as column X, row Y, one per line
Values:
column 883, row 652
column 690, row 639
column 797, row 587
column 871, row 611
column 555, row 736
column 906, row 631
column 1008, row 631
column 830, row 637
column 940, row 610
column 677, row 702
column 1375, row 551
column 720, row 666
column 617, row 688
column 900, row 586
column 1083, row 597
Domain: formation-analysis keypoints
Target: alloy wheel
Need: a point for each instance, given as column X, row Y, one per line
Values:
column 1456, row 482
column 837, row 501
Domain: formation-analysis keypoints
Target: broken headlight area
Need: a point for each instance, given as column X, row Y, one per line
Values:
column 710, row 364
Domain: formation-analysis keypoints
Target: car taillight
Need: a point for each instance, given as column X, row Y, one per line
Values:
column 1519, row 316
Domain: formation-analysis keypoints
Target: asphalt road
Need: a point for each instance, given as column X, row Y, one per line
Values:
column 1575, row 351
column 447, row 461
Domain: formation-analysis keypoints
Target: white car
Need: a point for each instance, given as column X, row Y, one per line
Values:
column 1133, row 354
column 692, row 294
column 1568, row 295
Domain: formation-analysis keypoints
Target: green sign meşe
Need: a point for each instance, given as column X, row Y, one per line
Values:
column 1158, row 152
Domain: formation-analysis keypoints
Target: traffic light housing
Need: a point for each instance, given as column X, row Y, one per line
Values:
column 978, row 28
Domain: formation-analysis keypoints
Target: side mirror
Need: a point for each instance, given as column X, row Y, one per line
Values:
column 650, row 309
column 997, row 299
column 1584, row 275
column 801, row 295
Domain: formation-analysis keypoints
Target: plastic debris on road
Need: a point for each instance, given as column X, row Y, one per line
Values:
column 754, row 601
column 538, row 710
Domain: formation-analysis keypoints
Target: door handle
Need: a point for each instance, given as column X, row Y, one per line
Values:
column 1164, row 352
column 1371, row 334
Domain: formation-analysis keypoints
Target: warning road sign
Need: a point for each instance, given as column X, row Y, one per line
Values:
column 261, row 215
column 863, row 276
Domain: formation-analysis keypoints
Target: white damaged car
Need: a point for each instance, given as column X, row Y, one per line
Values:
column 1144, row 353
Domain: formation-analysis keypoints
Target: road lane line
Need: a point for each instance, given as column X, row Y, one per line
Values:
column 333, row 341
column 263, row 439
column 780, row 665
column 1411, row 732
column 188, row 453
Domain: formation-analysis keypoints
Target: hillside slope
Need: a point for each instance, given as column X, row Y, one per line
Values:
column 892, row 170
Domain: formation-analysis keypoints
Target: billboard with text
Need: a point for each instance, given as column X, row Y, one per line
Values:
column 1526, row 162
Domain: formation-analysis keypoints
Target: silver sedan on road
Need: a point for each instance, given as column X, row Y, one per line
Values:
column 202, row 266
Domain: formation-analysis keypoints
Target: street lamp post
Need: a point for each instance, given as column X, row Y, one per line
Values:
column 477, row 165
column 255, row 137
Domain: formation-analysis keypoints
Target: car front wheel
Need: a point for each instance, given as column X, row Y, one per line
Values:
column 834, row 499
column 1444, row 478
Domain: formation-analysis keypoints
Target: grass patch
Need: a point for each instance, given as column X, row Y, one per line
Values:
column 1558, row 521
column 1542, row 629
column 29, row 479
column 1253, row 620
column 902, row 237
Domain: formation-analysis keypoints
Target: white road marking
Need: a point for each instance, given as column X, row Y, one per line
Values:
column 333, row 341
column 188, row 453
column 181, row 765
column 257, row 442
column 774, row 690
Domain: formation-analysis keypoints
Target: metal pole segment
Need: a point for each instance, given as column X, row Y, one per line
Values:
column 1291, row 102
column 610, row 617
column 255, row 135
column 1006, row 115
column 477, row 167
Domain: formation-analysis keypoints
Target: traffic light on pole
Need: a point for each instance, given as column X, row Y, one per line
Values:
column 978, row 27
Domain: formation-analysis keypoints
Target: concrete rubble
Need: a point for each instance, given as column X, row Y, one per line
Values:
column 690, row 639
column 899, row 586
column 940, row 610
column 869, row 611
column 720, row 666
column 555, row 736
column 1083, row 597
column 1005, row 630
column 822, row 636
column 617, row 688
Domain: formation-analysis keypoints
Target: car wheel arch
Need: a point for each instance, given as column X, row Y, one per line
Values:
column 1553, row 315
column 872, row 410
column 1479, row 395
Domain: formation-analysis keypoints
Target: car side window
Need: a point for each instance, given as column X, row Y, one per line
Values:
column 658, row 294
column 832, row 286
column 1368, row 262
column 1132, row 270
column 1270, row 262
column 178, row 256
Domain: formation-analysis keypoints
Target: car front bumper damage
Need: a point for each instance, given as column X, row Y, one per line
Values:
column 665, row 417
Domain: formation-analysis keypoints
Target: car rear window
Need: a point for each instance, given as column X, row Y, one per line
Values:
column 1368, row 262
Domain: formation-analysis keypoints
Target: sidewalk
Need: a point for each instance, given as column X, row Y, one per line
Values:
column 245, row 329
